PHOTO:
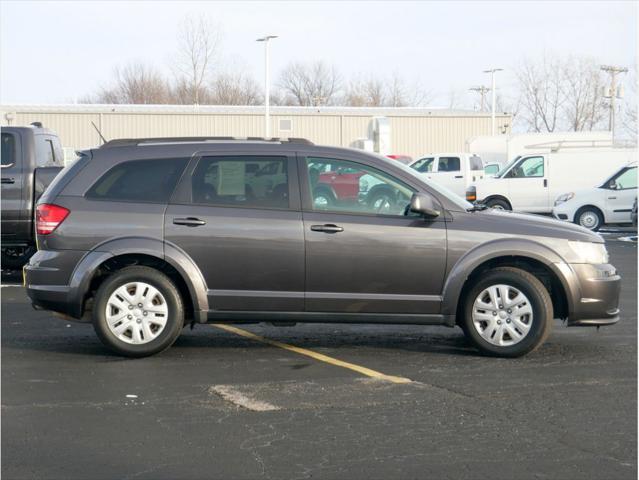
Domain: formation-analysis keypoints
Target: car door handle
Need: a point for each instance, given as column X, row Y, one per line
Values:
column 612, row 198
column 189, row 221
column 328, row 228
column 8, row 180
column 545, row 182
column 459, row 176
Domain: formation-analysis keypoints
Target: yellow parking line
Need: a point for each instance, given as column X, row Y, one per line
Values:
column 317, row 356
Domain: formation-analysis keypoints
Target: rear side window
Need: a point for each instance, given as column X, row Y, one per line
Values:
column 254, row 182
column 476, row 163
column 448, row 164
column 8, row 149
column 139, row 181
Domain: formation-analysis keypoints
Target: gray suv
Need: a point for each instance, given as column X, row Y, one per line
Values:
column 142, row 237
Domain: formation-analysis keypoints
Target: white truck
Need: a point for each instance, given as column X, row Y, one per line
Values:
column 502, row 148
column 455, row 171
column 532, row 182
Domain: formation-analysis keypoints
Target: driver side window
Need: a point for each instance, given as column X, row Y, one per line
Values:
column 528, row 167
column 626, row 179
column 350, row 187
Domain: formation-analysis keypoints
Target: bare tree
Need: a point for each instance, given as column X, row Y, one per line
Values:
column 198, row 46
column 558, row 93
column 235, row 89
column 392, row 92
column 310, row 84
column 134, row 83
column 629, row 118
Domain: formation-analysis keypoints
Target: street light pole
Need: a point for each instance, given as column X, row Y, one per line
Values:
column 267, row 99
column 492, row 115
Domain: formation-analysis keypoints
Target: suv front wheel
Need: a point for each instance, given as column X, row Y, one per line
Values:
column 138, row 312
column 507, row 312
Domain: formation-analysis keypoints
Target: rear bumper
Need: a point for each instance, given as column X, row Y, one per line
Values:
column 50, row 284
column 598, row 299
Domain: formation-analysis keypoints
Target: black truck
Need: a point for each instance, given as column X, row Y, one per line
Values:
column 31, row 158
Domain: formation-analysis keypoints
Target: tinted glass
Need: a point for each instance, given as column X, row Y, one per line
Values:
column 8, row 149
column 476, row 163
column 140, row 180
column 627, row 179
column 529, row 167
column 448, row 164
column 258, row 182
column 349, row 187
column 423, row 165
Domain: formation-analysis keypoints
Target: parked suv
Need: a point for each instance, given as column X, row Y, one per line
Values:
column 142, row 237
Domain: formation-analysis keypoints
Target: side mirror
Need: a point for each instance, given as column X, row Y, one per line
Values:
column 424, row 204
column 612, row 185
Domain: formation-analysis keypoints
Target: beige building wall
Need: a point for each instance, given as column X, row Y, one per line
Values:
column 413, row 131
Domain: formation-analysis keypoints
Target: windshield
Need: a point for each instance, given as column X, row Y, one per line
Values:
column 449, row 194
column 501, row 172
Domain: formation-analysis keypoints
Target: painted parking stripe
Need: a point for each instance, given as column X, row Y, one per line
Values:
column 317, row 356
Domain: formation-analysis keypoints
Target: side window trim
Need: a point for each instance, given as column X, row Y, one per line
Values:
column 182, row 194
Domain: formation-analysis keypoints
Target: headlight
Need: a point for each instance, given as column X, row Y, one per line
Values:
column 588, row 252
column 564, row 198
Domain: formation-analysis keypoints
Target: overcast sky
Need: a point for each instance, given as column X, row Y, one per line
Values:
column 55, row 52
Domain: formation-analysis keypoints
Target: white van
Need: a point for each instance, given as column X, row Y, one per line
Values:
column 532, row 182
column 455, row 171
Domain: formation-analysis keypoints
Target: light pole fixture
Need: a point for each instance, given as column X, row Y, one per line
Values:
column 267, row 100
column 492, row 114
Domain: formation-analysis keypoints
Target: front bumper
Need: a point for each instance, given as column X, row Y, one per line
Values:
column 597, row 301
column 564, row 212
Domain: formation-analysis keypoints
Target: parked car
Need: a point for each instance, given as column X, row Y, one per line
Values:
column 610, row 202
column 405, row 159
column 31, row 158
column 531, row 183
column 455, row 171
column 142, row 237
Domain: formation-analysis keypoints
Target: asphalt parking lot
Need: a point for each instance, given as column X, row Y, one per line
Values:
column 223, row 405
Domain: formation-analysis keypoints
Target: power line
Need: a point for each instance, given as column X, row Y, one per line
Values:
column 482, row 90
column 613, row 92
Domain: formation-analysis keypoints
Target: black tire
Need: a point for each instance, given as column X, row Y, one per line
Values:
column 326, row 197
column 14, row 258
column 381, row 194
column 165, row 286
column 498, row 203
column 589, row 213
column 540, row 301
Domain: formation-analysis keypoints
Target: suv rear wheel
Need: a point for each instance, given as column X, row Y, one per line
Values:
column 507, row 312
column 138, row 312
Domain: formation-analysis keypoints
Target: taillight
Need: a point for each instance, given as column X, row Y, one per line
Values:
column 48, row 217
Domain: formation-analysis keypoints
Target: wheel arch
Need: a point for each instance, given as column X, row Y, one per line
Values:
column 556, row 275
column 593, row 207
column 114, row 255
column 498, row 197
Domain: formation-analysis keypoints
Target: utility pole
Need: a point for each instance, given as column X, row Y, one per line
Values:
column 267, row 81
column 612, row 93
column 482, row 90
column 492, row 72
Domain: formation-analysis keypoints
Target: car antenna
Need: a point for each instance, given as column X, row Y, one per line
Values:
column 99, row 132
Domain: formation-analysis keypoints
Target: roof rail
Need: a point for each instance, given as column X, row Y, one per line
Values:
column 133, row 142
column 557, row 145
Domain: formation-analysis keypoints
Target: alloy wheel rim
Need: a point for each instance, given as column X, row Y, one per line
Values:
column 502, row 315
column 136, row 313
column 589, row 220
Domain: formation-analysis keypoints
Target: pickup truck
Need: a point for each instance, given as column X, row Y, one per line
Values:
column 455, row 171
column 31, row 157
